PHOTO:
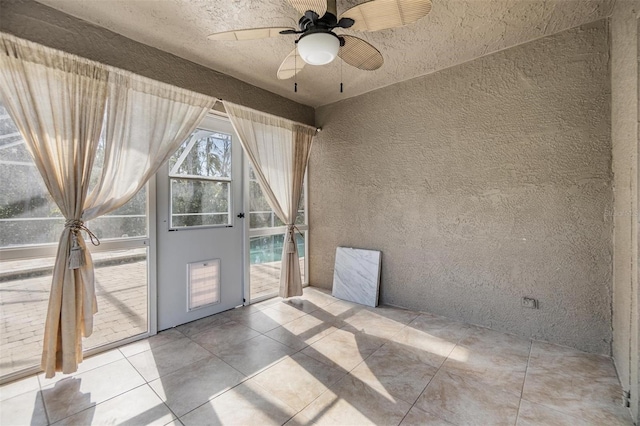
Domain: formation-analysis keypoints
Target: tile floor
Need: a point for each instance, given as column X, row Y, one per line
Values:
column 318, row 360
column 121, row 289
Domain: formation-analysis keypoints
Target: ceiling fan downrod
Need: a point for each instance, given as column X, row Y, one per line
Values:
column 332, row 8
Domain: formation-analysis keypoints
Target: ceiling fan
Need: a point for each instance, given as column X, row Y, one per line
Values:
column 319, row 45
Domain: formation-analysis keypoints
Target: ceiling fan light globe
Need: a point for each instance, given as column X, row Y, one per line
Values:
column 318, row 48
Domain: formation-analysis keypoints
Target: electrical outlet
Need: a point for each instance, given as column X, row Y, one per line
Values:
column 528, row 302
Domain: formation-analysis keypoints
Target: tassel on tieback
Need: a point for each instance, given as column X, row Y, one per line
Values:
column 76, row 252
column 291, row 238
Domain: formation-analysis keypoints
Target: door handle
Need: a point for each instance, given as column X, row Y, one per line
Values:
column 241, row 215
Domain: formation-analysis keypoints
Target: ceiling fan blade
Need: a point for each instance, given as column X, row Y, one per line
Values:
column 378, row 15
column 318, row 6
column 249, row 34
column 291, row 65
column 360, row 54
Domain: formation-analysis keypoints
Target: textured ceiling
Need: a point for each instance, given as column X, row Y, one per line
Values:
column 454, row 32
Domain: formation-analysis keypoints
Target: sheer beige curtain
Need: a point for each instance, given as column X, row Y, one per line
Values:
column 146, row 121
column 60, row 103
column 279, row 152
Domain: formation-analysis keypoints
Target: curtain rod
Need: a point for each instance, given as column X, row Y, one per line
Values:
column 318, row 129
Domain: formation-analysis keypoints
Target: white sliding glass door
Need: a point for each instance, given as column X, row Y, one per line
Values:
column 266, row 236
column 30, row 227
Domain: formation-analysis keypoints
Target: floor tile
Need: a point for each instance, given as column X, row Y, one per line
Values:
column 240, row 312
column 246, row 404
column 531, row 414
column 140, row 406
column 327, row 318
column 307, row 329
column 245, row 311
column 266, row 303
column 403, row 316
column 318, row 297
column 19, row 387
column 485, row 338
column 162, row 338
column 396, row 372
column 299, row 419
column 342, row 309
column 253, row 355
column 167, row 358
column 299, row 304
column 431, row 349
column 222, row 335
column 489, row 356
column 575, row 383
column 353, row 402
column 343, row 349
column 193, row 385
column 283, row 314
column 298, row 380
column 86, row 365
column 461, row 400
column 573, row 361
column 370, row 322
column 259, row 322
column 74, row 394
column 417, row 417
column 204, row 324
column 282, row 335
column 23, row 409
column 441, row 327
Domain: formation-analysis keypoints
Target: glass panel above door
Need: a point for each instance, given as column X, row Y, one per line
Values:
column 204, row 154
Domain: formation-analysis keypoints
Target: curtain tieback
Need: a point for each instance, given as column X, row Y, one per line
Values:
column 291, row 231
column 76, row 252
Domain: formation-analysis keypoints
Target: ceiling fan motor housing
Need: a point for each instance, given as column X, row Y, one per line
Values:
column 318, row 47
column 311, row 20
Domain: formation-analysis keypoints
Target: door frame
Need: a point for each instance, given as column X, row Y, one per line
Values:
column 218, row 122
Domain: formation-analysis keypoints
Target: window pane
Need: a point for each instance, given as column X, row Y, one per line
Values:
column 260, row 214
column 199, row 203
column 121, row 291
column 128, row 221
column 209, row 154
column 27, row 213
column 266, row 261
column 29, row 216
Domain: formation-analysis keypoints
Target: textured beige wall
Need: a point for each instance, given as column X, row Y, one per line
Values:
column 624, row 137
column 481, row 183
column 42, row 24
